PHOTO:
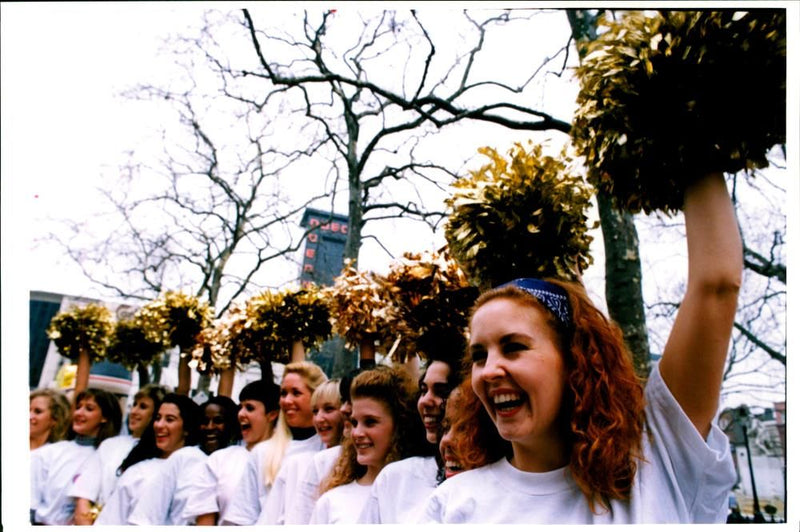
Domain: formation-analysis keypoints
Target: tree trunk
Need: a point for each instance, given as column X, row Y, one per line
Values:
column 266, row 371
column 82, row 371
column 623, row 268
column 158, row 366
column 184, row 374
column 144, row 375
column 204, row 383
column 624, row 281
column 298, row 351
column 225, row 386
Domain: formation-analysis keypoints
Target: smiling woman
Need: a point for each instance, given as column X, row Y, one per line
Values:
column 294, row 435
column 155, row 477
column 589, row 443
column 55, row 467
column 386, row 428
column 99, row 477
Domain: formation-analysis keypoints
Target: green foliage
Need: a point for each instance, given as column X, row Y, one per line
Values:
column 523, row 217
column 669, row 97
column 86, row 328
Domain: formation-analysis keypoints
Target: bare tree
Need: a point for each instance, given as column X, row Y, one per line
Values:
column 373, row 87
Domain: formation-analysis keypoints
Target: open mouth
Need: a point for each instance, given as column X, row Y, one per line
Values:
column 507, row 403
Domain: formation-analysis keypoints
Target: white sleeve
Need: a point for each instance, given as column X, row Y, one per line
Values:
column 152, row 507
column 38, row 476
column 87, row 485
column 243, row 505
column 272, row 511
column 200, row 492
column 299, row 513
column 320, row 515
column 702, row 470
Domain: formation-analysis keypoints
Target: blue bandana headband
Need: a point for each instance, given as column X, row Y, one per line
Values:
column 551, row 296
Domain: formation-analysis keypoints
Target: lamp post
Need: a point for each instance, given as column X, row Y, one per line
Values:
column 743, row 415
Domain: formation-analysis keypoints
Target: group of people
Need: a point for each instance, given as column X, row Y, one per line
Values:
column 542, row 420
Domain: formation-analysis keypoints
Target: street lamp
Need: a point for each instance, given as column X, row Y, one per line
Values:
column 742, row 416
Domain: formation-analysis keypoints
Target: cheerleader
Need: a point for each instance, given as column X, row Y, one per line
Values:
column 55, row 467
column 99, row 473
column 286, row 493
column 294, row 434
column 383, row 413
column 400, row 491
column 589, row 444
column 49, row 417
column 229, row 473
column 156, row 476
column 322, row 463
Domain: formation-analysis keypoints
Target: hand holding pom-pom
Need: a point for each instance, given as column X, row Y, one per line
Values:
column 667, row 98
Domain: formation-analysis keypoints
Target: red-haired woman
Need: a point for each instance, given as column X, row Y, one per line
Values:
column 383, row 419
column 589, row 443
column 469, row 437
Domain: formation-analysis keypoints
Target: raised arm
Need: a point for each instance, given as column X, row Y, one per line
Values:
column 694, row 356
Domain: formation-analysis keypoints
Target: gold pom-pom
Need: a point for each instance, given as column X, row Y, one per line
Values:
column 361, row 309
column 523, row 217
column 85, row 328
column 175, row 319
column 131, row 346
column 432, row 297
column 668, row 97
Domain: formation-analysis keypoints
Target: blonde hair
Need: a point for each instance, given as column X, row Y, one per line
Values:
column 60, row 411
column 313, row 377
column 327, row 392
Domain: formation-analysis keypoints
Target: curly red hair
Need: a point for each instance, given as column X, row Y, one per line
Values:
column 604, row 402
column 474, row 438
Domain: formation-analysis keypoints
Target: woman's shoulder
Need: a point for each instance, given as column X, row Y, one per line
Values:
column 414, row 465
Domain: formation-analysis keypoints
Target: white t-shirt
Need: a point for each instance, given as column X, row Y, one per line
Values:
column 170, row 498
column 99, row 472
column 129, row 488
column 231, row 476
column 284, row 486
column 299, row 512
column 260, row 453
column 341, row 505
column 54, row 469
column 400, row 491
column 682, row 479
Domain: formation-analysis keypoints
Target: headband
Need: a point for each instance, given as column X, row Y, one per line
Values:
column 548, row 294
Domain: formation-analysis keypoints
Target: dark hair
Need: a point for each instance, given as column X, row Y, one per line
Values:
column 155, row 392
column 232, row 432
column 109, row 406
column 346, row 381
column 146, row 448
column 267, row 392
